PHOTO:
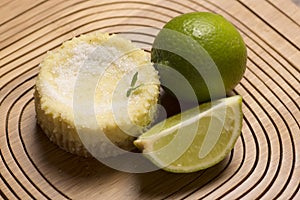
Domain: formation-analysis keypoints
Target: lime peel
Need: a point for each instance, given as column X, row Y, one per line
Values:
column 206, row 49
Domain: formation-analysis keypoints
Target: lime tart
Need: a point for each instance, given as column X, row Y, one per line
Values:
column 99, row 86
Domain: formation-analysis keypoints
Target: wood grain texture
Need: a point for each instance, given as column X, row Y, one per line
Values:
column 265, row 162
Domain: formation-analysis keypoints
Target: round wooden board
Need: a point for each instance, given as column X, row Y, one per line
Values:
column 265, row 162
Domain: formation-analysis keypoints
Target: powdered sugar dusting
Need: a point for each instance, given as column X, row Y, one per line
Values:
column 101, row 68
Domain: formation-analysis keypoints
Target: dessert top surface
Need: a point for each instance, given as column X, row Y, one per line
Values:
column 93, row 73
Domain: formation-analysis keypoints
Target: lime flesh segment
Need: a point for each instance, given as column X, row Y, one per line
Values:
column 195, row 139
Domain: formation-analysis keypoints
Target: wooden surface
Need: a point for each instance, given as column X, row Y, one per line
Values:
column 265, row 162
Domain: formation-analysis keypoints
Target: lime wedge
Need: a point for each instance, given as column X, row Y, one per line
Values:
column 195, row 139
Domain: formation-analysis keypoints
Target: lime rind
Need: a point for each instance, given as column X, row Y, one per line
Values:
column 205, row 48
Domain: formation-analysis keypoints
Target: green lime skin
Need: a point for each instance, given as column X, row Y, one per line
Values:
column 218, row 37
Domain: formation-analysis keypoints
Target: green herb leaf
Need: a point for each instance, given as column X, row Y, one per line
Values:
column 133, row 82
column 129, row 92
column 134, row 79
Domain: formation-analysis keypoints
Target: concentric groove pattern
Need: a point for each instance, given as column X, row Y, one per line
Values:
column 265, row 162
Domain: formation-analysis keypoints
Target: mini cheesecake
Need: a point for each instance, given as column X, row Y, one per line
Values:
column 95, row 94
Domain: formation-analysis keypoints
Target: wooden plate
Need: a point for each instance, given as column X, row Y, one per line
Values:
column 265, row 162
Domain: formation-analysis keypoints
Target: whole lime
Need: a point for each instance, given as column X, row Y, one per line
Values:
column 200, row 56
